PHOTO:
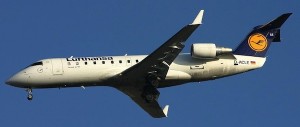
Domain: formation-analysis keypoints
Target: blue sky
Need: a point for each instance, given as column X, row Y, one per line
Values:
column 33, row 30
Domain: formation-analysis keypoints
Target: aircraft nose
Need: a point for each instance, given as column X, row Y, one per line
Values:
column 16, row 80
column 8, row 82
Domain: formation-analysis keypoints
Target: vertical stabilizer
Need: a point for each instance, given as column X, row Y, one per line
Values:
column 258, row 41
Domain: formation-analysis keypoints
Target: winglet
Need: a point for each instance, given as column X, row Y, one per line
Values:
column 165, row 110
column 198, row 19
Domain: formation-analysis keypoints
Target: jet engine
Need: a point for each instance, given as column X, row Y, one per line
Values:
column 208, row 50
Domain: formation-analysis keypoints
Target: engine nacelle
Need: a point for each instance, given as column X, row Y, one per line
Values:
column 208, row 50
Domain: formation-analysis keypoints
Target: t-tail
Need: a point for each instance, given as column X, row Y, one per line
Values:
column 258, row 41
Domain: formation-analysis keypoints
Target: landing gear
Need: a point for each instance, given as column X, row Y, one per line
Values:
column 150, row 94
column 151, row 97
column 29, row 96
column 153, row 80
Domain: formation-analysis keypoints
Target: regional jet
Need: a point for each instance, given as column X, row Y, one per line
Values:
column 140, row 76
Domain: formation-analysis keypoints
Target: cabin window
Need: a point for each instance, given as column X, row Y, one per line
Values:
column 128, row 61
column 94, row 62
column 77, row 63
column 85, row 63
column 112, row 62
column 103, row 62
column 136, row 61
column 120, row 61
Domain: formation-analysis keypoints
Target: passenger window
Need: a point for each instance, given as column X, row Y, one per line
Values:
column 77, row 63
column 94, row 62
column 136, row 61
column 120, row 61
column 69, row 63
column 85, row 63
column 128, row 61
column 112, row 62
column 103, row 62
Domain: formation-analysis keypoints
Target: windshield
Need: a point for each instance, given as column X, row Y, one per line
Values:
column 36, row 63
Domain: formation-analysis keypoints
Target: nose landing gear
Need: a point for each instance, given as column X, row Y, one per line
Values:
column 29, row 96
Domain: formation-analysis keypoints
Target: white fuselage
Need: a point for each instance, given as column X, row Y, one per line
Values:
column 94, row 71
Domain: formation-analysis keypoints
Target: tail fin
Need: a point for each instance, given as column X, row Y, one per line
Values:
column 258, row 41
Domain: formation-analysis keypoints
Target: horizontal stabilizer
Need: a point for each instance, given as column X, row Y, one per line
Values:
column 276, row 23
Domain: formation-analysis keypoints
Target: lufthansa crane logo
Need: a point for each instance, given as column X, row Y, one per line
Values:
column 258, row 42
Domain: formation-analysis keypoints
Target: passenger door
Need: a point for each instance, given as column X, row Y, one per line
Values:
column 57, row 67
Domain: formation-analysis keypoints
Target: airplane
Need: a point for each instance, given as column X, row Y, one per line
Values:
column 140, row 76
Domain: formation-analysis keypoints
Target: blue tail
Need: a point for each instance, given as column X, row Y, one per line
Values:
column 258, row 41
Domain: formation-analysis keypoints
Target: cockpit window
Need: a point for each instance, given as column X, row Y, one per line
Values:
column 36, row 63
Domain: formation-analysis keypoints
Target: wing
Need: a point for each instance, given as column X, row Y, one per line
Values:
column 135, row 78
column 158, row 62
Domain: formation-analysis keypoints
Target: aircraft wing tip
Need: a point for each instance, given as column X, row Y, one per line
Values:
column 165, row 110
column 198, row 19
